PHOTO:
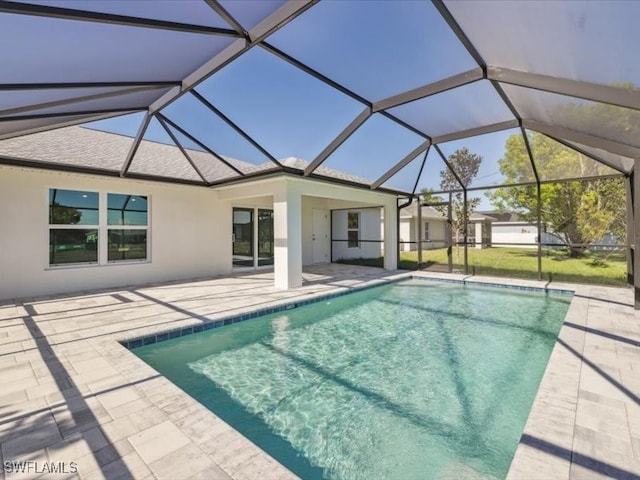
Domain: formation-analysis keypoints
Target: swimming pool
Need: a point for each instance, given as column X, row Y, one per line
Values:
column 414, row 379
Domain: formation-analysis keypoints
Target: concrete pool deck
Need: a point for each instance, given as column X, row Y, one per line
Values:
column 74, row 398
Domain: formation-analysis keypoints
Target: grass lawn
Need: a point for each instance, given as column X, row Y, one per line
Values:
column 602, row 268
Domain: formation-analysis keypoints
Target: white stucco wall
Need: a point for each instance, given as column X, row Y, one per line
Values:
column 369, row 229
column 408, row 233
column 437, row 234
column 308, row 205
column 190, row 229
column 514, row 235
column 188, row 236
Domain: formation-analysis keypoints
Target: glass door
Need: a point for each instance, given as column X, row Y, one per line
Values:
column 243, row 237
column 252, row 237
column 265, row 237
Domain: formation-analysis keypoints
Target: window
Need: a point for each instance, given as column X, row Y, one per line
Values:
column 127, row 220
column 353, row 229
column 73, row 227
column 81, row 232
column 426, row 231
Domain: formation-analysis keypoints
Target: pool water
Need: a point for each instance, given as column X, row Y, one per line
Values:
column 414, row 379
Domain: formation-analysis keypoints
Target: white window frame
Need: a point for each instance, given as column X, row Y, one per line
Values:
column 102, row 228
column 106, row 227
column 426, row 231
column 353, row 230
column 62, row 226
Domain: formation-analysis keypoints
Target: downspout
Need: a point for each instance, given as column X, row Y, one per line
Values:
column 400, row 207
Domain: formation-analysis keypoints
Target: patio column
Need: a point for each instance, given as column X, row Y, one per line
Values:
column 287, row 227
column 634, row 202
column 391, row 235
column 630, row 228
column 478, row 234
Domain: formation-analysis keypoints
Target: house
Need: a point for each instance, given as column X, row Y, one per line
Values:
column 509, row 230
column 80, row 225
column 434, row 229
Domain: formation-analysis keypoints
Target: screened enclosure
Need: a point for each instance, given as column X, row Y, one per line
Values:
column 394, row 96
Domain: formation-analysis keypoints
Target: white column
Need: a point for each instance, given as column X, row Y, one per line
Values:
column 391, row 235
column 478, row 241
column 287, row 225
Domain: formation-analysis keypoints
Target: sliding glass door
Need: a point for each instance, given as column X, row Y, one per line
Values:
column 265, row 237
column 252, row 240
column 243, row 237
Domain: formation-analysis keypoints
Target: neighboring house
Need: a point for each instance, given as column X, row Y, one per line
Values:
column 433, row 228
column 434, row 231
column 509, row 230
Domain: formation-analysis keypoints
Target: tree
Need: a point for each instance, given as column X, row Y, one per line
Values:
column 580, row 212
column 62, row 215
column 466, row 166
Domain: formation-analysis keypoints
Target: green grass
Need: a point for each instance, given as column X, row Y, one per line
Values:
column 601, row 268
column 365, row 262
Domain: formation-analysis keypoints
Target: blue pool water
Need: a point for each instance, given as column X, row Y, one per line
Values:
column 409, row 380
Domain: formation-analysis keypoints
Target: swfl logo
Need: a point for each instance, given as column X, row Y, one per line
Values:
column 39, row 467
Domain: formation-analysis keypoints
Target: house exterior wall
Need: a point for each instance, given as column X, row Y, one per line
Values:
column 308, row 205
column 408, row 233
column 407, row 228
column 189, row 234
column 514, row 234
column 189, row 229
column 437, row 233
column 369, row 229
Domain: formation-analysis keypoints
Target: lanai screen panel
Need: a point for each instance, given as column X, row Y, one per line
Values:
column 15, row 128
column 406, row 179
column 214, row 168
column 504, row 159
column 189, row 12
column 269, row 99
column 116, row 102
column 597, row 120
column 585, row 40
column 193, row 116
column 65, row 50
column 432, row 173
column 619, row 162
column 463, row 108
column 556, row 161
column 371, row 151
column 310, row 90
column 27, row 100
column 250, row 13
column 374, row 48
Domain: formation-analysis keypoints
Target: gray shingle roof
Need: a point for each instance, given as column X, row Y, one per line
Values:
column 85, row 147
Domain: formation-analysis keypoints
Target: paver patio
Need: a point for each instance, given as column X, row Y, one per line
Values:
column 72, row 393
